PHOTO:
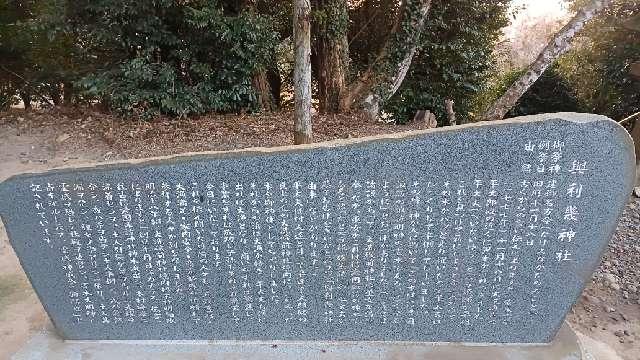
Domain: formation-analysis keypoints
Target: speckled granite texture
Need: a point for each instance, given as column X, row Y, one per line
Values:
column 482, row 234
column 46, row 345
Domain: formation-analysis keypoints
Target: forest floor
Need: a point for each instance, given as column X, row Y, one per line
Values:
column 607, row 316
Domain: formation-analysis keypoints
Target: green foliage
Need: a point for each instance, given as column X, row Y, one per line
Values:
column 174, row 58
column 151, row 57
column 15, row 45
column 454, row 58
column 598, row 67
column 7, row 96
column 550, row 93
column 496, row 85
column 371, row 23
column 330, row 18
column 35, row 56
column 402, row 43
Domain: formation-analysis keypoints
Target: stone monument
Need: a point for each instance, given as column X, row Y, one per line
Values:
column 483, row 233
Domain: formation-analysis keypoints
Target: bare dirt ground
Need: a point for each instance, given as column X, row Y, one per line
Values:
column 607, row 316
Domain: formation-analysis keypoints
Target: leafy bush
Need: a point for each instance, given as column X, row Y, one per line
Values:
column 173, row 58
column 37, row 54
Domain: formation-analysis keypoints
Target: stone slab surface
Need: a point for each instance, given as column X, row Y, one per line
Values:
column 47, row 345
column 483, row 234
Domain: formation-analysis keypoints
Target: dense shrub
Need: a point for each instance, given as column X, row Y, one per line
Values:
column 173, row 58
column 36, row 53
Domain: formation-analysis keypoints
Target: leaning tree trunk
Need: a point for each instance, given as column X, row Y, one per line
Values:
column 330, row 51
column 560, row 44
column 385, row 75
column 302, row 71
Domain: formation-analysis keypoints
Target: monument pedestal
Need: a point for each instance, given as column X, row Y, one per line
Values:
column 48, row 345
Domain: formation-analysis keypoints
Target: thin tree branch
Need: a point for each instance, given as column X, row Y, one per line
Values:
column 13, row 73
column 28, row 84
column 375, row 15
column 629, row 118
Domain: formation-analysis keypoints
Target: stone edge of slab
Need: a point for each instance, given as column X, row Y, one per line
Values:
column 566, row 116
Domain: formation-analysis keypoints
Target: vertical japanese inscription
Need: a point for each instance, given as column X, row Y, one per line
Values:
column 394, row 251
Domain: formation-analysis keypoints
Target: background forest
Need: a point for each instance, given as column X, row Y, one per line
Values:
column 144, row 58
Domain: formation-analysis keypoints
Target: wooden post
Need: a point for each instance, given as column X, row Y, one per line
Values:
column 302, row 72
column 448, row 105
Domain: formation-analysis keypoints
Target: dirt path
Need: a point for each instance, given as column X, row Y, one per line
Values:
column 609, row 309
column 25, row 149
column 608, row 313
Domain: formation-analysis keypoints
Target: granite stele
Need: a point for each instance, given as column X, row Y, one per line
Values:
column 483, row 233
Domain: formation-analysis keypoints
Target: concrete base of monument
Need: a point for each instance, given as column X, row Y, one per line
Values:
column 47, row 345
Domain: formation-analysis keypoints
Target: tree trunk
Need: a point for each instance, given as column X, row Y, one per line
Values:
column 330, row 52
column 385, row 75
column 26, row 100
column 275, row 84
column 56, row 94
column 67, row 93
column 259, row 81
column 560, row 44
column 302, row 71
column 635, row 135
column 263, row 91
